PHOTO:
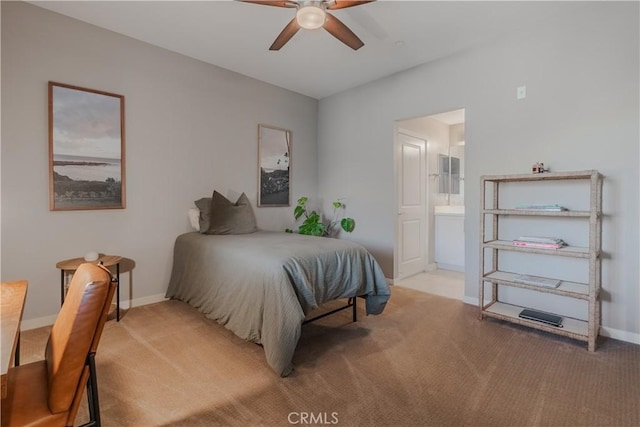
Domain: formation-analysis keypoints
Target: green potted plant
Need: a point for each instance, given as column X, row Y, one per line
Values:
column 312, row 224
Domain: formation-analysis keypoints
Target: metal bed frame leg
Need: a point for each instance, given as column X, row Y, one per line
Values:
column 351, row 302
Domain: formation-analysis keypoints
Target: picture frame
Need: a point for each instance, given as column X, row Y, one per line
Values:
column 274, row 166
column 86, row 149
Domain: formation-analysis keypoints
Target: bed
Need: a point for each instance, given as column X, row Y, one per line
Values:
column 262, row 285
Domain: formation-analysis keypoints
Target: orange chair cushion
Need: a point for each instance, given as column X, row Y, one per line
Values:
column 26, row 404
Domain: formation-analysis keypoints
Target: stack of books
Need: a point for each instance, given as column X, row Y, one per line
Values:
column 545, row 208
column 539, row 242
column 537, row 281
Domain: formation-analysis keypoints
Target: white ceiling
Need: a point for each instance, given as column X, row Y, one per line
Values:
column 450, row 117
column 397, row 34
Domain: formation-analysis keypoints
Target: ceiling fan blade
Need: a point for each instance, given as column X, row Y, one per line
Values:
column 271, row 3
column 337, row 29
column 341, row 4
column 289, row 31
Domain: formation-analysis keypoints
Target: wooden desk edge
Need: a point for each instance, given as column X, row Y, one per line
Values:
column 16, row 300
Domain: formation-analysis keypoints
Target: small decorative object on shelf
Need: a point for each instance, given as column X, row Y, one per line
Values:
column 496, row 274
column 538, row 168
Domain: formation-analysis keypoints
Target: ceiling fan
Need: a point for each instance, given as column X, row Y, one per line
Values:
column 312, row 14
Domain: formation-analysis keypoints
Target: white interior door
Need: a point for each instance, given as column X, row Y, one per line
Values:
column 411, row 239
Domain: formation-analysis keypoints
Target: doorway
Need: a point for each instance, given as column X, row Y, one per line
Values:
column 441, row 223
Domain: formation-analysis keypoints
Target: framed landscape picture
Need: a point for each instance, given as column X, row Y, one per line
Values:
column 274, row 166
column 86, row 149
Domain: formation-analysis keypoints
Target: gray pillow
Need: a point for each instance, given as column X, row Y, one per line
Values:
column 203, row 205
column 226, row 217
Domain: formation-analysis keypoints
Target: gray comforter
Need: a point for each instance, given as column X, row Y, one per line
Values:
column 261, row 285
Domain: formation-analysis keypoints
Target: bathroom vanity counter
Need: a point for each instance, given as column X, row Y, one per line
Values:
column 449, row 241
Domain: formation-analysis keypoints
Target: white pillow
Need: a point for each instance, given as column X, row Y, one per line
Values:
column 194, row 218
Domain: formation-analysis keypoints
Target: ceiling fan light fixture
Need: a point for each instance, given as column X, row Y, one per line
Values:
column 311, row 17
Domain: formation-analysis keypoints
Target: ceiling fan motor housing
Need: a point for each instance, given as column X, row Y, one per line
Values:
column 311, row 14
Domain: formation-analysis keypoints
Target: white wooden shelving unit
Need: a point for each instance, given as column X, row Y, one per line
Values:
column 491, row 246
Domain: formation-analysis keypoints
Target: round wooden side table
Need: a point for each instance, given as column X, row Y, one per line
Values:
column 71, row 265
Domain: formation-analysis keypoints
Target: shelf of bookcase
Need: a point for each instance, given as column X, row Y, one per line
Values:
column 533, row 212
column 569, row 251
column 546, row 176
column 573, row 328
column 566, row 288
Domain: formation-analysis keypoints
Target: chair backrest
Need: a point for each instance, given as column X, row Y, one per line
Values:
column 76, row 333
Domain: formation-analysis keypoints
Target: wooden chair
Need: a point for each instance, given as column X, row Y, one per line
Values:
column 49, row 392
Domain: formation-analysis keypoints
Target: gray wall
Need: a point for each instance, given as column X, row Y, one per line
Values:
column 581, row 112
column 190, row 127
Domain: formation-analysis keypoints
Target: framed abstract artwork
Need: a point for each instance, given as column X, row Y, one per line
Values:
column 274, row 166
column 86, row 149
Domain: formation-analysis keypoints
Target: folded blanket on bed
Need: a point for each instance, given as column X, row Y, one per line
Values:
column 261, row 285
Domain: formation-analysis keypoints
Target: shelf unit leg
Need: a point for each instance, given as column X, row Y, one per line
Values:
column 481, row 299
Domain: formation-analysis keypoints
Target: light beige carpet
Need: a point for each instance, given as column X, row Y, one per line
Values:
column 426, row 361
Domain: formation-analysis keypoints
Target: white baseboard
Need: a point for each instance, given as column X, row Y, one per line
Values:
column 617, row 334
column 453, row 267
column 470, row 300
column 39, row 322
column 151, row 299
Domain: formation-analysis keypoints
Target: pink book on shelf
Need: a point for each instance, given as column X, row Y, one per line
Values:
column 536, row 245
